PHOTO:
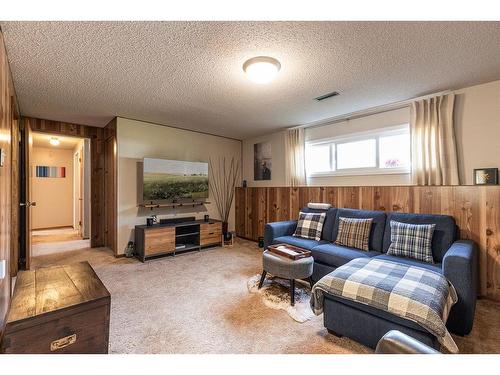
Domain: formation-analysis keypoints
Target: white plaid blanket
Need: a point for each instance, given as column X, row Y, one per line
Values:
column 422, row 296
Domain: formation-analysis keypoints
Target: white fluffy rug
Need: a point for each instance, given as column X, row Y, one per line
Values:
column 275, row 294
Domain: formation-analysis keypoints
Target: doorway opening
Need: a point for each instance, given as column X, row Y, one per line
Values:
column 59, row 183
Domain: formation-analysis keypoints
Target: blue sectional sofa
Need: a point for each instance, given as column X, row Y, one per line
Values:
column 456, row 259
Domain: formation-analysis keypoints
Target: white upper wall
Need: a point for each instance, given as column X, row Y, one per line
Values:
column 391, row 118
column 137, row 140
column 477, row 125
column 277, row 141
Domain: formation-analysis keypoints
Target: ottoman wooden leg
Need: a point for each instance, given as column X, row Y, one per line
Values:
column 262, row 278
column 292, row 291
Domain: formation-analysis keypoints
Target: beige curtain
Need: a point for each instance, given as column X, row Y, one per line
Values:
column 295, row 173
column 434, row 154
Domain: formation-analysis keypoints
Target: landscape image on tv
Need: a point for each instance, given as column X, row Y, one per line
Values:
column 174, row 179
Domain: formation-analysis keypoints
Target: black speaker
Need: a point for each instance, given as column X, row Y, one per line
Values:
column 261, row 241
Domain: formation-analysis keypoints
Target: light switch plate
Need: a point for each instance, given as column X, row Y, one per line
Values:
column 2, row 269
column 2, row 157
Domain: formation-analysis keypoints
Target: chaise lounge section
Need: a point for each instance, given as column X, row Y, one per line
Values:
column 455, row 259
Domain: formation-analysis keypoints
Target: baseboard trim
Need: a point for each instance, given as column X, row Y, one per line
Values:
column 248, row 239
column 57, row 227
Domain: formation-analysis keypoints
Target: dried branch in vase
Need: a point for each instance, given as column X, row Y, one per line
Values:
column 223, row 179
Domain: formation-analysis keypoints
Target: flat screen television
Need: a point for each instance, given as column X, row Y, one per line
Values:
column 174, row 179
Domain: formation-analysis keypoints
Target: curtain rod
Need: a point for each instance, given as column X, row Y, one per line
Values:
column 367, row 112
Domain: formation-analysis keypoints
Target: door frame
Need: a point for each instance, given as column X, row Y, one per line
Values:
column 110, row 201
column 81, row 178
column 78, row 189
column 24, row 252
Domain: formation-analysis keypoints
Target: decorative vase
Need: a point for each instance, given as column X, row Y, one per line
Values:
column 225, row 231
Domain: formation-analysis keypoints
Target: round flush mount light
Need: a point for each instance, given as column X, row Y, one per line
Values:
column 261, row 69
column 54, row 141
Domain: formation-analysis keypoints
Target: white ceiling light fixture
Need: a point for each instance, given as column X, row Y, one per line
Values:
column 54, row 141
column 261, row 69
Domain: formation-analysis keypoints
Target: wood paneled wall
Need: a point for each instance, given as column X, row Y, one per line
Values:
column 98, row 192
column 9, row 114
column 475, row 208
column 110, row 181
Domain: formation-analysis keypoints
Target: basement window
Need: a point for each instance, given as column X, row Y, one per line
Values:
column 383, row 151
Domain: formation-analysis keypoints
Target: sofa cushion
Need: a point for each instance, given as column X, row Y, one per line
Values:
column 331, row 215
column 411, row 241
column 354, row 233
column 336, row 255
column 310, row 225
column 319, row 206
column 412, row 262
column 298, row 241
column 376, row 231
column 445, row 232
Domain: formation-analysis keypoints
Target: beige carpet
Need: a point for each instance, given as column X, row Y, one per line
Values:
column 199, row 303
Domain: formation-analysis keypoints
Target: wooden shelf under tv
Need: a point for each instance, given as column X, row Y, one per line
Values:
column 172, row 205
column 167, row 237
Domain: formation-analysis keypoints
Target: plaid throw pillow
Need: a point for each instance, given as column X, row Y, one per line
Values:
column 310, row 225
column 412, row 241
column 354, row 232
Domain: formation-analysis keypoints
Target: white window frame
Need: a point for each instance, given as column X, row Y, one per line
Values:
column 361, row 136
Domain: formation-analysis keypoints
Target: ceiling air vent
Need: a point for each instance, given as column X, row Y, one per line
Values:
column 326, row 96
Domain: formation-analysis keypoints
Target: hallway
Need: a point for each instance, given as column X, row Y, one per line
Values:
column 50, row 241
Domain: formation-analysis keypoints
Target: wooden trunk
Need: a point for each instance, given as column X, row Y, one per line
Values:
column 61, row 309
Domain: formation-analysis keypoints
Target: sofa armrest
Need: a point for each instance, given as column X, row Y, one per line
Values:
column 460, row 268
column 278, row 229
column 396, row 342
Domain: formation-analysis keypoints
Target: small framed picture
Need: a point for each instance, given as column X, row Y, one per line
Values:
column 486, row 176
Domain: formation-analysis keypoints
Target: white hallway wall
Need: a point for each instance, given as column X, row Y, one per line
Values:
column 53, row 196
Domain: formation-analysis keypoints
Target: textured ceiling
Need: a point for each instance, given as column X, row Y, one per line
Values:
column 66, row 143
column 189, row 74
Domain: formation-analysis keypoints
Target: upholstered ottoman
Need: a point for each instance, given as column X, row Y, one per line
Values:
column 287, row 269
